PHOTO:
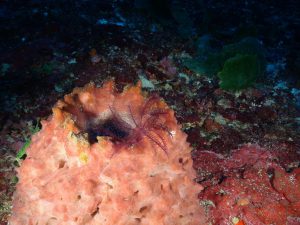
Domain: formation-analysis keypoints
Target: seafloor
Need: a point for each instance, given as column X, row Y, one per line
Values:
column 50, row 47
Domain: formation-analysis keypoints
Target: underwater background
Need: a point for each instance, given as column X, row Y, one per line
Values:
column 229, row 69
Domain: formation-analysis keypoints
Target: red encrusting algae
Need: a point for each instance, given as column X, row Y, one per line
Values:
column 249, row 185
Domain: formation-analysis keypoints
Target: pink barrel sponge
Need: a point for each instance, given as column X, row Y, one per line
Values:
column 106, row 157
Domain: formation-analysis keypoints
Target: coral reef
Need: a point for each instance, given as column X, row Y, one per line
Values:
column 177, row 49
column 106, row 157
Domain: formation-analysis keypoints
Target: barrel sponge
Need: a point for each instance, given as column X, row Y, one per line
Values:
column 108, row 157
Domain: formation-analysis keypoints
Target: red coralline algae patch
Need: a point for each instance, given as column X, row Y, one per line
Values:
column 106, row 157
column 249, row 186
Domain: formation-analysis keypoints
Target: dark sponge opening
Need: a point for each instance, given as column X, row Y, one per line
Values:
column 109, row 128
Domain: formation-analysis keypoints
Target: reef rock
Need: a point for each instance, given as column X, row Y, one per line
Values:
column 105, row 157
column 249, row 187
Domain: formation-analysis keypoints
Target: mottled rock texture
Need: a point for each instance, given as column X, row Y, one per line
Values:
column 249, row 185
